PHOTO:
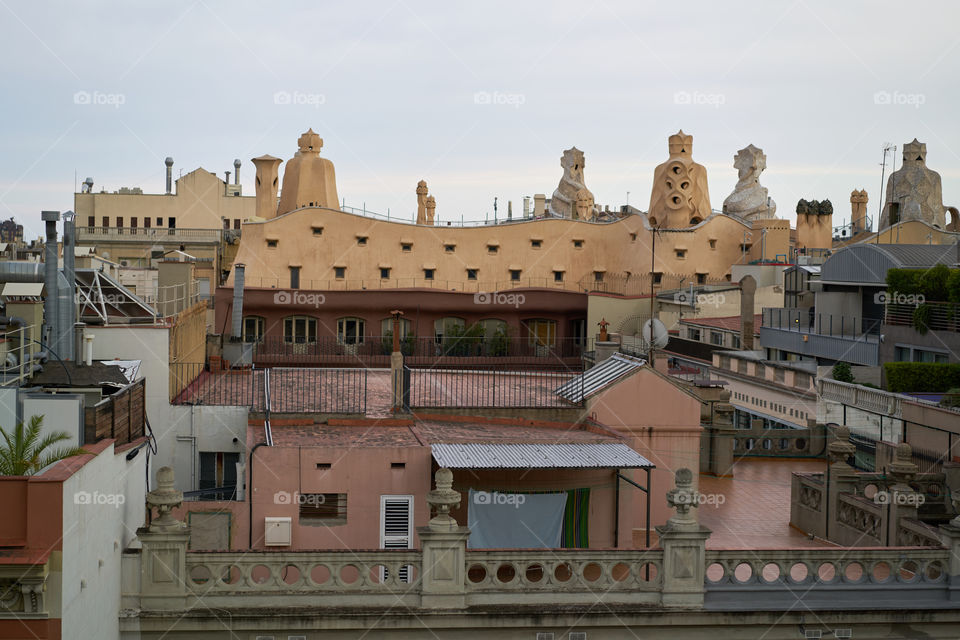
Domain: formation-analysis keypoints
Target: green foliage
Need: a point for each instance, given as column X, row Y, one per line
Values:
column 933, row 282
column 951, row 398
column 937, row 284
column 842, row 372
column 905, row 281
column 921, row 318
column 24, row 452
column 406, row 344
column 934, row 377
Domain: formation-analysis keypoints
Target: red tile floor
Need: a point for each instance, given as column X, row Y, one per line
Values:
column 755, row 509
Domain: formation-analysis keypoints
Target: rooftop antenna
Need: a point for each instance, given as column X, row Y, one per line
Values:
column 886, row 147
column 494, row 209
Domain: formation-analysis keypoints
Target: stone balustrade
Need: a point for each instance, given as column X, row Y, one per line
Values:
column 854, row 395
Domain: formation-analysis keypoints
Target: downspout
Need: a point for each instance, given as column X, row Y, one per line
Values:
column 250, row 491
column 69, row 268
column 50, row 326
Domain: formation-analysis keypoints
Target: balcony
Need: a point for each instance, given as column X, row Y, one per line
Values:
column 147, row 234
column 832, row 337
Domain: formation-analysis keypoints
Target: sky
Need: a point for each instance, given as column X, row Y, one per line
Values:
column 478, row 99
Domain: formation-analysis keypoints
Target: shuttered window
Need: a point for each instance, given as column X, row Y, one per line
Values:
column 396, row 527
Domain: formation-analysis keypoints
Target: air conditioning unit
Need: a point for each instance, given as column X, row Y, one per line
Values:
column 578, row 635
column 544, row 636
column 813, row 634
column 277, row 532
column 843, row 633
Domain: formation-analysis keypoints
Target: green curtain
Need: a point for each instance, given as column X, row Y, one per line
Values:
column 576, row 514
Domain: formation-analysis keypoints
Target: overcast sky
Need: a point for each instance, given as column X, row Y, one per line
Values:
column 479, row 99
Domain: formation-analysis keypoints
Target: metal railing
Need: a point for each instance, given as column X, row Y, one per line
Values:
column 486, row 388
column 126, row 234
column 482, row 287
column 502, row 219
column 936, row 316
column 802, row 320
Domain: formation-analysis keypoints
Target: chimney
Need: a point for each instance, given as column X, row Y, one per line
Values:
column 748, row 287
column 236, row 171
column 88, row 348
column 169, row 163
column 267, row 182
column 69, row 271
column 237, row 318
column 50, row 329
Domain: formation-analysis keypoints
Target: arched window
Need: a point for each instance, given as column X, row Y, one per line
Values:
column 542, row 333
column 350, row 330
column 386, row 327
column 253, row 328
column 449, row 327
column 493, row 327
column 300, row 329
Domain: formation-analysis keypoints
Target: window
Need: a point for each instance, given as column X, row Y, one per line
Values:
column 219, row 470
column 406, row 247
column 778, row 375
column 92, row 221
column 449, row 248
column 633, row 237
column 449, row 326
column 558, row 276
column 386, row 327
column 171, row 223
column 801, row 380
column 701, row 278
column 253, row 328
column 339, row 272
column 362, row 241
column 681, row 254
column 146, row 222
column 713, row 243
column 350, row 330
column 236, row 223
column 598, row 276
column 471, row 274
column 428, row 274
column 736, row 342
column 716, row 338
column 133, row 222
column 536, row 244
column 578, row 244
column 384, row 273
column 299, row 330
column 693, row 333
column 106, row 221
column 493, row 327
column 226, row 224
column 322, row 509
column 657, row 277
column 294, row 277
column 272, row 244
column 492, row 248
column 119, row 221
column 396, row 529
column 541, row 333
column 317, row 231
column 514, row 274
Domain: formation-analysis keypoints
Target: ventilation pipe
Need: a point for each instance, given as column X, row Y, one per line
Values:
column 50, row 326
column 238, row 270
column 69, row 312
column 88, row 349
column 236, row 171
column 169, row 163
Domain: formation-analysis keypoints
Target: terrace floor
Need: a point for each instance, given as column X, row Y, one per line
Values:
column 755, row 513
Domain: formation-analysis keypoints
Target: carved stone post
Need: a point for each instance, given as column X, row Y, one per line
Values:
column 443, row 575
column 684, row 544
column 163, row 555
column 950, row 536
column 902, row 498
column 841, row 477
column 396, row 364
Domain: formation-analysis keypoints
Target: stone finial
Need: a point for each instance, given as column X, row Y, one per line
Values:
column 431, row 205
column 683, row 497
column 165, row 498
column 442, row 499
column 310, row 142
column 840, row 449
column 902, row 469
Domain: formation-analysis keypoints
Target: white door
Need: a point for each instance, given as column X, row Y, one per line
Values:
column 396, row 527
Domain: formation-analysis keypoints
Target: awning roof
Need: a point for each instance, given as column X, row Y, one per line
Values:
column 598, row 377
column 600, row 455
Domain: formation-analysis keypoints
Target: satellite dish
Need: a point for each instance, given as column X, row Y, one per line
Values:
column 660, row 335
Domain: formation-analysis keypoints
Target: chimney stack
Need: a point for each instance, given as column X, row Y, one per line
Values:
column 236, row 171
column 237, row 317
column 69, row 314
column 169, row 163
column 50, row 276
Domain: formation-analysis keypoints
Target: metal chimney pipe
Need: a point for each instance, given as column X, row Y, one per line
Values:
column 169, row 163
column 236, row 171
column 69, row 270
column 88, row 349
column 50, row 327
column 238, row 270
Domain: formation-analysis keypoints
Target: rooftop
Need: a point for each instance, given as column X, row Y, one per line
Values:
column 729, row 323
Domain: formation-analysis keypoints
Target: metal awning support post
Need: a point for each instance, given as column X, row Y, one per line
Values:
column 646, row 490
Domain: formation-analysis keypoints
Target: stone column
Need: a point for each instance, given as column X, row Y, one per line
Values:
column 901, row 497
column 719, row 445
column 396, row 365
column 443, row 574
column 163, row 557
column 840, row 476
column 684, row 544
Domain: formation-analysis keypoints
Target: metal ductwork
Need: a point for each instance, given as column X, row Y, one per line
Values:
column 169, row 163
column 51, row 329
column 237, row 316
column 69, row 313
column 236, row 171
column 66, row 311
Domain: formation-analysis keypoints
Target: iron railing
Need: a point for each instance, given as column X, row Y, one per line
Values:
column 935, row 316
column 803, row 320
column 93, row 234
column 487, row 387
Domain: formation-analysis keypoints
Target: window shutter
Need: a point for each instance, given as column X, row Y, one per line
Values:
column 396, row 527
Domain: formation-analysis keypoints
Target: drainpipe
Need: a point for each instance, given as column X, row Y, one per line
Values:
column 50, row 327
column 249, row 491
column 69, row 312
column 237, row 317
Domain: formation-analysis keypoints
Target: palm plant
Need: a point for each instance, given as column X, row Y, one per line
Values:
column 24, row 452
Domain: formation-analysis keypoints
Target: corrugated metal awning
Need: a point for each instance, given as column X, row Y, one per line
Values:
column 25, row 289
column 597, row 455
column 596, row 378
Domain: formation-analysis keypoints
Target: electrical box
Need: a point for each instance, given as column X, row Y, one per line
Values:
column 277, row 532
